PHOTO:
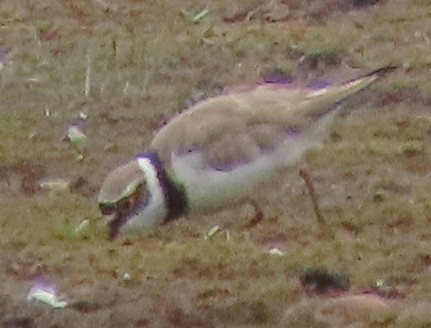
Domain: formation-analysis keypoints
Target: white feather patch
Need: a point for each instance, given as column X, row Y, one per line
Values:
column 155, row 211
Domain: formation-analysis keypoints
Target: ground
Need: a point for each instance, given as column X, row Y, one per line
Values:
column 121, row 69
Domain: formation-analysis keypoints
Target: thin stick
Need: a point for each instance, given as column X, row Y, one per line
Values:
column 307, row 179
column 87, row 76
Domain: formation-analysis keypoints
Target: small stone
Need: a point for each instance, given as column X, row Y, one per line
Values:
column 379, row 196
column 275, row 251
column 126, row 277
column 83, row 116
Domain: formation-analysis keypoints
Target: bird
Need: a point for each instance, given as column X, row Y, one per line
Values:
column 211, row 155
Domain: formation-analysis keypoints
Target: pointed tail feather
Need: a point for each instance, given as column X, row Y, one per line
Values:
column 327, row 97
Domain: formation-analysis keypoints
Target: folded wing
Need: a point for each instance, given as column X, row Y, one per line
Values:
column 235, row 128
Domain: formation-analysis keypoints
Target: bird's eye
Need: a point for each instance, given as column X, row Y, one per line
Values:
column 108, row 208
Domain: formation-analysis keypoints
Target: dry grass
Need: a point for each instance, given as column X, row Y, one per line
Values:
column 130, row 65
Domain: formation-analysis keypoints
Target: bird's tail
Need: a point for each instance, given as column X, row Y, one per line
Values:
column 323, row 106
column 330, row 96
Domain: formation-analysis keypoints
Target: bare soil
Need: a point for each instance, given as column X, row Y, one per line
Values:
column 121, row 69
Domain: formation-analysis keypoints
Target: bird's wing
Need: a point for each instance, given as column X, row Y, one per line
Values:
column 235, row 128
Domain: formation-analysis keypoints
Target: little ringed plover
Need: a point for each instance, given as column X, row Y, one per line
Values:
column 211, row 156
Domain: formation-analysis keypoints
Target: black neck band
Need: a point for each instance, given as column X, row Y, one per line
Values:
column 175, row 195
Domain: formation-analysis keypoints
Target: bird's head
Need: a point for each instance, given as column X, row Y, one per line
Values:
column 132, row 197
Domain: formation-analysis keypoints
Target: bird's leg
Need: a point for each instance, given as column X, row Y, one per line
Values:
column 258, row 215
column 309, row 184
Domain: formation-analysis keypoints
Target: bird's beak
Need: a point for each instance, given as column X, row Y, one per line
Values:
column 108, row 218
column 113, row 219
column 115, row 225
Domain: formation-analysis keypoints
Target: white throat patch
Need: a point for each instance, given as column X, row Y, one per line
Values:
column 155, row 212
